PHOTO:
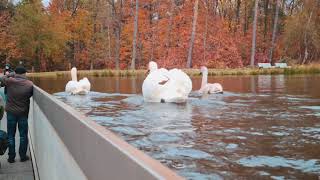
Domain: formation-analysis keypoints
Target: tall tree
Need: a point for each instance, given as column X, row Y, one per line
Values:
column 116, row 9
column 168, row 41
column 238, row 12
column 8, row 49
column 134, row 43
column 193, row 33
column 266, row 12
column 302, row 40
column 305, row 38
column 206, row 31
column 246, row 18
column 154, row 15
column 274, row 32
column 34, row 34
column 94, row 37
column 254, row 30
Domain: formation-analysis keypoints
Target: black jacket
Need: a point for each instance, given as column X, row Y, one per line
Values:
column 19, row 91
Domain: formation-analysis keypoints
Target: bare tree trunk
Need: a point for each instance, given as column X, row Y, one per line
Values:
column 117, row 30
column 291, row 7
column 237, row 15
column 134, row 44
column 74, row 43
column 154, row 28
column 75, row 49
column 306, row 53
column 266, row 12
column 152, row 45
column 168, row 43
column 253, row 49
column 205, row 33
column 193, row 33
column 152, row 32
column 245, row 24
column 131, row 7
column 117, row 48
column 109, row 43
column 94, row 38
column 43, row 62
column 274, row 32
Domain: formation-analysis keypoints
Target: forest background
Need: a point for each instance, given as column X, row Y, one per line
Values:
column 127, row 34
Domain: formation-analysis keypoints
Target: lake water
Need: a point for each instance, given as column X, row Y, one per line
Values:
column 262, row 127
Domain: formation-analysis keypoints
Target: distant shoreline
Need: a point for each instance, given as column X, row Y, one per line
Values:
column 300, row 69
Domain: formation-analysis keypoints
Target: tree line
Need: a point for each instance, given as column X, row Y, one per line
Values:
column 127, row 34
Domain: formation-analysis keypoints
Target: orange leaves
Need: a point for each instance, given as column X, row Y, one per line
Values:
column 164, row 29
column 221, row 49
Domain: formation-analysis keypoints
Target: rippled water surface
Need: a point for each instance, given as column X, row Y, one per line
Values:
column 262, row 127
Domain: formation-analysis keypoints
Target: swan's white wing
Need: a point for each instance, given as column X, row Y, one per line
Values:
column 153, row 86
column 74, row 87
column 215, row 88
column 71, row 87
column 85, row 84
column 182, row 81
column 171, row 86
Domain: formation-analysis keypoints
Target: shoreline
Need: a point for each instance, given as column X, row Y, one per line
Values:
column 301, row 69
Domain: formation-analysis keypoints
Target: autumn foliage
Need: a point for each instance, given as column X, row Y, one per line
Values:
column 98, row 34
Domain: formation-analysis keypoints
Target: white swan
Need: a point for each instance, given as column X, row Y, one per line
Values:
column 207, row 88
column 162, row 85
column 77, row 87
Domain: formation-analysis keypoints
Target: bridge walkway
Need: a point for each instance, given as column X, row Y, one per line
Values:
column 18, row 170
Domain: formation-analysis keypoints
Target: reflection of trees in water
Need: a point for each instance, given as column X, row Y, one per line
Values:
column 264, row 83
column 117, row 87
column 267, row 126
column 279, row 82
column 271, row 83
column 51, row 84
column 133, row 85
column 253, row 84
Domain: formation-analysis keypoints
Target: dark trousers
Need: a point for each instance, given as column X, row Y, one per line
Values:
column 22, row 122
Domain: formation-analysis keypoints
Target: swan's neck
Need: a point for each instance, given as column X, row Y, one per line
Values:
column 204, row 80
column 153, row 69
column 74, row 74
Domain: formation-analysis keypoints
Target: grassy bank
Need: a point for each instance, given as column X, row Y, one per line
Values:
column 302, row 69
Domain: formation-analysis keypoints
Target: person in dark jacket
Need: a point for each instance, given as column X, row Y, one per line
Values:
column 19, row 91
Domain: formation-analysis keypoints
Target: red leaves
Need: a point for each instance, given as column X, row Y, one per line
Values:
column 221, row 50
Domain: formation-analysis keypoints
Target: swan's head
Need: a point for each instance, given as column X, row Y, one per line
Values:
column 203, row 70
column 152, row 66
column 74, row 74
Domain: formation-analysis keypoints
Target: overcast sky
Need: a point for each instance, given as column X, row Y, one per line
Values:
column 45, row 2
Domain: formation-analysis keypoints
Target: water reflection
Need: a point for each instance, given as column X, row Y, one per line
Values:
column 261, row 127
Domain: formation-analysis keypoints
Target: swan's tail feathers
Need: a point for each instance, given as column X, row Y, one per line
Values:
column 216, row 88
column 85, row 84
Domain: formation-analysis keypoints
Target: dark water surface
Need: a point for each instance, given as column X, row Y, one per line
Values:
column 262, row 127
